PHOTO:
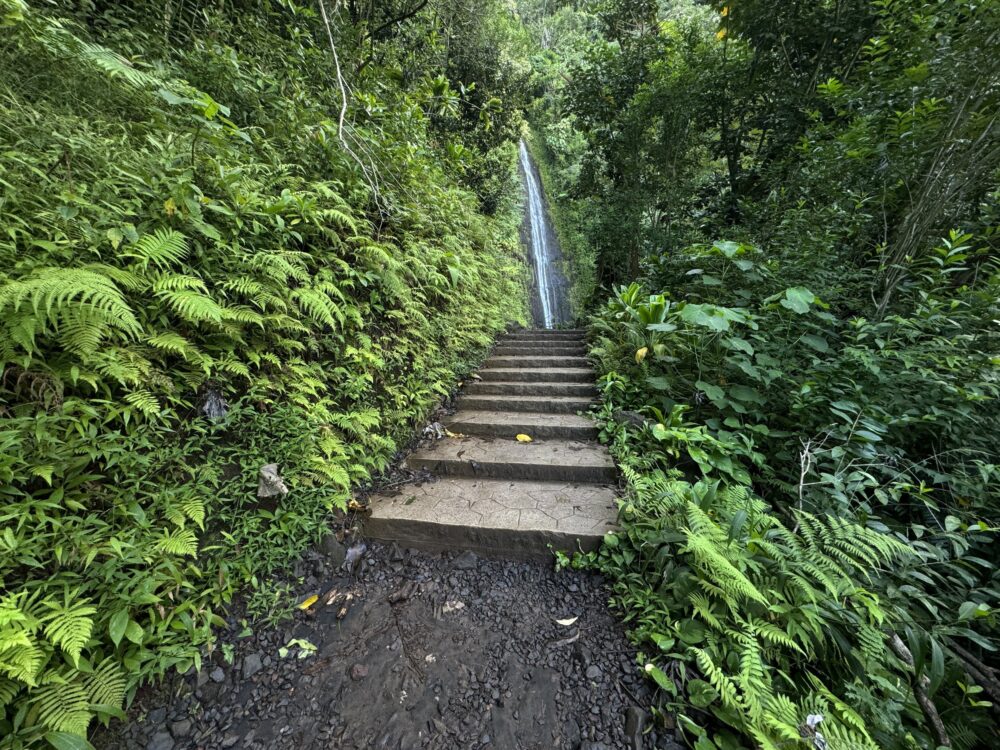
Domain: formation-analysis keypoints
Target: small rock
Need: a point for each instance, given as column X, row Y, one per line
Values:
column 252, row 665
column 161, row 741
column 333, row 550
column 230, row 739
column 466, row 561
column 157, row 716
column 181, row 729
column 593, row 672
column 217, row 675
column 635, row 720
column 359, row 672
column 271, row 483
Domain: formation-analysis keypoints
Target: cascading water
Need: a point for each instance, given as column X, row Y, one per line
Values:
column 551, row 300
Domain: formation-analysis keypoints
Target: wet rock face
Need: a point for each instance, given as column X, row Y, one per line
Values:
column 418, row 651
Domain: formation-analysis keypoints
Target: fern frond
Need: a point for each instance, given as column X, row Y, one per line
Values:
column 161, row 248
column 69, row 625
column 178, row 542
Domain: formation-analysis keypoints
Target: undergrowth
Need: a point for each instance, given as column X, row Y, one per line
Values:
column 199, row 276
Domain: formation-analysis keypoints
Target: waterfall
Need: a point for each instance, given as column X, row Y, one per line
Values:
column 551, row 303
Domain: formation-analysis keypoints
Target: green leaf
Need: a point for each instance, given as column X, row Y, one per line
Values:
column 816, row 342
column 117, row 625
column 701, row 693
column 134, row 632
column 714, row 392
column 797, row 299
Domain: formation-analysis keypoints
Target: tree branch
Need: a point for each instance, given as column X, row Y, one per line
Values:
column 920, row 685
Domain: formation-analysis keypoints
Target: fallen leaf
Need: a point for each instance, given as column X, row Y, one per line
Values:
column 568, row 621
column 641, row 354
column 451, row 434
column 355, row 505
column 524, row 438
column 309, row 602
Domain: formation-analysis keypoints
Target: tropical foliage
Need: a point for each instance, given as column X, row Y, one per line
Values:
column 805, row 409
column 233, row 234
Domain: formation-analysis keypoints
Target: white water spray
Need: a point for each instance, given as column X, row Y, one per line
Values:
column 540, row 251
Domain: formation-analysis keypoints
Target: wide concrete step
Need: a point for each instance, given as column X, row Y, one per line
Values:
column 542, row 336
column 500, row 388
column 542, row 460
column 539, row 374
column 550, row 404
column 494, row 517
column 523, row 361
column 506, row 350
column 548, row 332
column 509, row 424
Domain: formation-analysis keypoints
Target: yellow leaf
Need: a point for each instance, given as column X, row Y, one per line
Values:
column 641, row 354
column 524, row 438
column 355, row 505
column 309, row 602
column 721, row 34
column 451, row 434
column 725, row 11
column 169, row 206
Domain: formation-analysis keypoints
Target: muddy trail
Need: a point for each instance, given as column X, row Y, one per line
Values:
column 414, row 650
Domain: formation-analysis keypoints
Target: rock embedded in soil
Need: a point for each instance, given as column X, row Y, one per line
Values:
column 252, row 664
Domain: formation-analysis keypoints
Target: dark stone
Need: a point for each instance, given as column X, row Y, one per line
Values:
column 180, row 729
column 468, row 560
column 251, row 666
column 635, row 720
column 359, row 672
column 161, row 741
column 633, row 418
column 333, row 550
column 217, row 675
column 594, row 672
column 157, row 716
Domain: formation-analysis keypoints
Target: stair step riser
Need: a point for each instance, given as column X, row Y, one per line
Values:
column 536, row 376
column 548, row 332
column 542, row 342
column 540, row 351
column 488, row 542
column 530, row 361
column 489, row 403
column 537, row 472
column 582, row 390
column 536, row 431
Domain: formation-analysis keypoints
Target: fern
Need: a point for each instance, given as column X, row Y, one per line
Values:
column 70, row 624
column 193, row 306
column 162, row 248
column 179, row 541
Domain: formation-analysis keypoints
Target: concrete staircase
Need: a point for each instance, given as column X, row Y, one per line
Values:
column 496, row 495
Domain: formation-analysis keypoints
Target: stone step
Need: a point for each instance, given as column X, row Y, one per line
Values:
column 548, row 332
column 550, row 404
column 542, row 460
column 508, row 424
column 501, row 388
column 506, row 350
column 494, row 517
column 539, row 374
column 543, row 336
column 537, row 361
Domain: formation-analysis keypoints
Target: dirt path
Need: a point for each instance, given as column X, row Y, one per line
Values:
column 433, row 651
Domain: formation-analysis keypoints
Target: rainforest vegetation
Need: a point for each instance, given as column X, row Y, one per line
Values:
column 253, row 232
column 782, row 218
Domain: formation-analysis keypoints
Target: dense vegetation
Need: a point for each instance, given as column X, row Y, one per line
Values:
column 793, row 209
column 233, row 234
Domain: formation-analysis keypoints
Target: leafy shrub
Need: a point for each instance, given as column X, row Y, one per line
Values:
column 189, row 291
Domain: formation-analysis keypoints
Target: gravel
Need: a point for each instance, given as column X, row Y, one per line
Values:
column 418, row 650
